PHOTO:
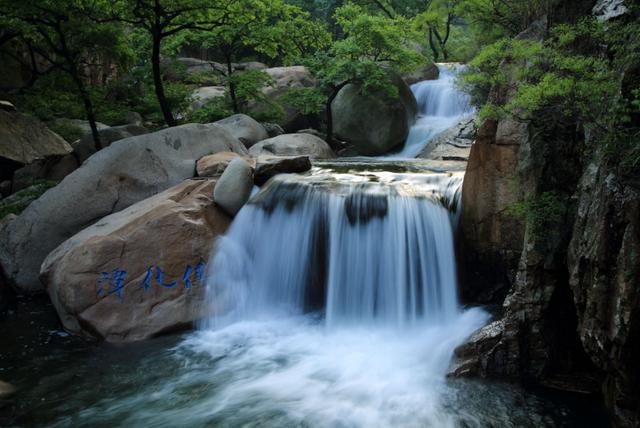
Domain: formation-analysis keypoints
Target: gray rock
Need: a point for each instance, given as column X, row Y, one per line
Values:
column 134, row 118
column 202, row 96
column 53, row 168
column 428, row 72
column 286, row 78
column 85, row 147
column 374, row 123
column 293, row 145
column 5, row 188
column 605, row 10
column 82, row 125
column 7, row 106
column 23, row 139
column 234, row 187
column 273, row 129
column 244, row 128
column 124, row 173
column 268, row 166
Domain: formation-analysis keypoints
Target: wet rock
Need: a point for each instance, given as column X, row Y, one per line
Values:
column 476, row 356
column 122, row 280
column 452, row 144
column 244, row 128
column 86, row 146
column 374, row 123
column 293, row 145
column 269, row 166
column 24, row 139
column 118, row 176
column 428, row 72
column 234, row 187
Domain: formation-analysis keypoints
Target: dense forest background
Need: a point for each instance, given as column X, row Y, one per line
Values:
column 95, row 60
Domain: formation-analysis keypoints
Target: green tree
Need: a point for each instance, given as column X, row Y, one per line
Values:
column 60, row 33
column 270, row 27
column 165, row 19
column 370, row 42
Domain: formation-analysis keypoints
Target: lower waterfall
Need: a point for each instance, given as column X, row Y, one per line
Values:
column 336, row 294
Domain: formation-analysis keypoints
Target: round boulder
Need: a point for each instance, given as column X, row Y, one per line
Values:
column 293, row 145
column 234, row 187
column 244, row 128
column 374, row 123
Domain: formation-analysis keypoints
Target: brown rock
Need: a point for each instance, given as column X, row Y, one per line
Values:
column 123, row 279
column 491, row 238
column 214, row 165
column 268, row 166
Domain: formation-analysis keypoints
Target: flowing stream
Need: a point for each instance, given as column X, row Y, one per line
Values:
column 440, row 106
column 335, row 302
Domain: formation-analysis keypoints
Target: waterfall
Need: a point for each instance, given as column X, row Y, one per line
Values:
column 370, row 247
column 440, row 106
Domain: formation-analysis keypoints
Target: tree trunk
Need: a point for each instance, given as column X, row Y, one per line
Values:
column 88, row 106
column 232, row 86
column 157, row 81
column 434, row 50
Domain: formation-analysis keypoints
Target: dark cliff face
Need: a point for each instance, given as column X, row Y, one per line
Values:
column 568, row 287
column 604, row 267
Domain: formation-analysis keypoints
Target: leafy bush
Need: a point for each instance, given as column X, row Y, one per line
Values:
column 216, row 109
column 20, row 200
column 68, row 131
column 576, row 74
column 539, row 213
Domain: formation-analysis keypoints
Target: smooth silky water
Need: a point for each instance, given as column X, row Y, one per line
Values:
column 335, row 302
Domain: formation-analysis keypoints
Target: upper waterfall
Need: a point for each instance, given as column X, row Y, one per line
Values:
column 374, row 246
column 440, row 106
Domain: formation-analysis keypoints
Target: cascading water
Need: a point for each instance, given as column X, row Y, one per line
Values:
column 440, row 106
column 336, row 301
column 374, row 248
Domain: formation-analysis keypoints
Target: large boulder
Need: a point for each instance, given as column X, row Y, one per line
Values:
column 374, row 123
column 234, row 187
column 122, row 174
column 85, row 147
column 284, row 79
column 24, row 139
column 293, row 145
column 244, row 128
column 122, row 280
